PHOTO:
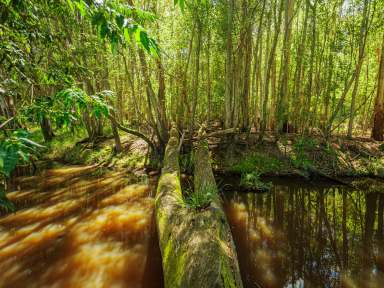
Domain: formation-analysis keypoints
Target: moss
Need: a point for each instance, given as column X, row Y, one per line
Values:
column 174, row 263
column 226, row 273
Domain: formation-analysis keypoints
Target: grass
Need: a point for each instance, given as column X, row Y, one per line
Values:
column 252, row 167
column 259, row 163
column 201, row 199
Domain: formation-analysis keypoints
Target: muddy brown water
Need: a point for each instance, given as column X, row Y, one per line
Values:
column 77, row 229
column 308, row 235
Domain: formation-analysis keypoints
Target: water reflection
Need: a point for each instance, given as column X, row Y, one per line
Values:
column 308, row 236
column 79, row 230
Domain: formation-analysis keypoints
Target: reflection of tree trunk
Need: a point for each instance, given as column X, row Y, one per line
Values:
column 380, row 217
column 344, row 226
column 380, row 232
column 370, row 215
column 279, row 208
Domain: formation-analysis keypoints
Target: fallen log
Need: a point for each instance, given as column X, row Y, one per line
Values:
column 196, row 245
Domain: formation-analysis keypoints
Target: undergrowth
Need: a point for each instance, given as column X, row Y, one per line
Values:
column 252, row 167
column 5, row 204
column 301, row 149
column 252, row 181
column 258, row 163
column 201, row 199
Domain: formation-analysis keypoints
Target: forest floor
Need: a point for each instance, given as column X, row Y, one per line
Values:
column 62, row 151
column 341, row 159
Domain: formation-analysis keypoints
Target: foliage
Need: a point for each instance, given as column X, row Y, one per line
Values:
column 201, row 199
column 5, row 205
column 66, row 107
column 17, row 148
column 186, row 162
column 120, row 22
column 252, row 181
column 375, row 167
column 258, row 163
column 301, row 147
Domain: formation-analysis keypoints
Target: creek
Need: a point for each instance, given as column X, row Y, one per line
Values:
column 304, row 234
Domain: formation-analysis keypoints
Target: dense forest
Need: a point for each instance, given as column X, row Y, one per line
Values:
column 302, row 74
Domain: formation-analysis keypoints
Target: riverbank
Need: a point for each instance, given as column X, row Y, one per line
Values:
column 348, row 161
column 295, row 155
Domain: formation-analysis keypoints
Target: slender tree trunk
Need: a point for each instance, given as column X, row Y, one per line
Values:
column 209, row 84
column 46, row 128
column 271, row 59
column 196, row 75
column 228, row 119
column 378, row 114
column 362, row 40
column 283, row 111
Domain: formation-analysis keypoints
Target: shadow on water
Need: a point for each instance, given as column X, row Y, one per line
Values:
column 308, row 235
column 73, row 229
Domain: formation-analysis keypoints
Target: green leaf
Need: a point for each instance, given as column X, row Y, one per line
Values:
column 120, row 20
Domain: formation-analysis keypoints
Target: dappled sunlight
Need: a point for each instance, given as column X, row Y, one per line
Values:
column 87, row 232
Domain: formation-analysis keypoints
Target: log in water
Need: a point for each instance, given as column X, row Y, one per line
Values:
column 196, row 245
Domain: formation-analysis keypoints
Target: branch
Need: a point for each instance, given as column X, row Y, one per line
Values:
column 219, row 133
column 134, row 132
column 6, row 122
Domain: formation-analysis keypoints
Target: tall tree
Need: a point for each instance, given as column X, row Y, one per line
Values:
column 378, row 114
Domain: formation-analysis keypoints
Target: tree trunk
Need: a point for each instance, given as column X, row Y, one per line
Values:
column 283, row 111
column 115, row 132
column 362, row 38
column 196, row 75
column 378, row 116
column 46, row 128
column 229, row 67
column 196, row 245
column 271, row 59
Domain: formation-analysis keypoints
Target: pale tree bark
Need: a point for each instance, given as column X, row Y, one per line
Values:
column 362, row 42
column 298, row 85
column 228, row 117
column 378, row 115
column 271, row 59
column 196, row 75
column 283, row 111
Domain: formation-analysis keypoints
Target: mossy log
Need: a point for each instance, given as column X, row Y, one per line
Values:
column 196, row 245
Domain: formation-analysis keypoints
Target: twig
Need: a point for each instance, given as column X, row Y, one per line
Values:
column 181, row 141
column 6, row 122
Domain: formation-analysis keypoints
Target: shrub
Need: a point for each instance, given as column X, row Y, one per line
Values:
column 301, row 147
column 252, row 181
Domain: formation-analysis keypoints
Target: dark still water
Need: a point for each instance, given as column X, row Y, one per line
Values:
column 303, row 235
column 77, row 229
